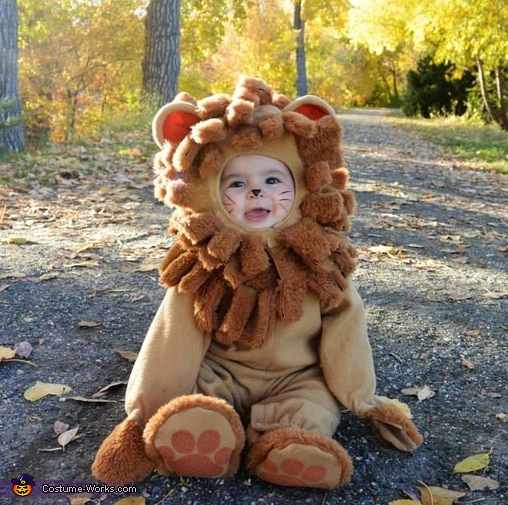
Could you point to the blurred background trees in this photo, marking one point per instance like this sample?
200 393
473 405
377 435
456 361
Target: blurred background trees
86 64
11 130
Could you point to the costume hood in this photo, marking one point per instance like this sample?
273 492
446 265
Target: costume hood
243 280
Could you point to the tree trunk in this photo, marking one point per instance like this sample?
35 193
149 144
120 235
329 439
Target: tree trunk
161 60
301 64
485 95
502 94
11 128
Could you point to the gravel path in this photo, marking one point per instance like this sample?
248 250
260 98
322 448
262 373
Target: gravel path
77 282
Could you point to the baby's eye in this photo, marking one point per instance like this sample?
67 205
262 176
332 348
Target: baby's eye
272 180
237 184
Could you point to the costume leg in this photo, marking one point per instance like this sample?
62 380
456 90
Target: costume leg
121 458
195 436
291 435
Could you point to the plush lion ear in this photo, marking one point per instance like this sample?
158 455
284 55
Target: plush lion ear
173 122
311 107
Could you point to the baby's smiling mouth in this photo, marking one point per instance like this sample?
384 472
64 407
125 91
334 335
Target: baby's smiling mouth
257 214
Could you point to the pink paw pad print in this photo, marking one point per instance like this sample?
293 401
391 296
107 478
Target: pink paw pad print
292 472
204 456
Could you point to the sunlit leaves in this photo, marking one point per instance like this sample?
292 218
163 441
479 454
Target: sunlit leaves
78 61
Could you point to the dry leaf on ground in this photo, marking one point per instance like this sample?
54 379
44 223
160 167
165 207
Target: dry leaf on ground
147 267
6 353
23 349
89 324
81 500
423 393
128 355
68 436
109 388
467 363
131 500
90 400
59 427
472 463
439 496
477 483
495 295
41 389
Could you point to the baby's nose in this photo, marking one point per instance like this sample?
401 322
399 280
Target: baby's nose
256 192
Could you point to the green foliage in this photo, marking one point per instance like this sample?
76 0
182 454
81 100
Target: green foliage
8 121
431 90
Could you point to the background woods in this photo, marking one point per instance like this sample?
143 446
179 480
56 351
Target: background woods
86 64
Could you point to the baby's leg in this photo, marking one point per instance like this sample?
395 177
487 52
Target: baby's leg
291 431
200 434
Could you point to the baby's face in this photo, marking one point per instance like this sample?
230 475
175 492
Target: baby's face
257 190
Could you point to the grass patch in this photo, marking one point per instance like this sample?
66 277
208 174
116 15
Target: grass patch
483 147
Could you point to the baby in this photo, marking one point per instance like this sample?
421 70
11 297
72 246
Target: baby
260 341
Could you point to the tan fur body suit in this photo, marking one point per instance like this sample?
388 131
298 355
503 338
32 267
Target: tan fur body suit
260 330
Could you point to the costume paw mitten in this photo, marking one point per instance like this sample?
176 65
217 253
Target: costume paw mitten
393 426
121 458
294 457
195 436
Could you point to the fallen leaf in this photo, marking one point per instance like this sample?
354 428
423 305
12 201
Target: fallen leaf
90 400
6 353
439 496
81 500
472 463
13 275
128 355
131 500
147 267
67 436
467 363
41 389
88 324
59 427
83 264
495 295
501 417
3 287
107 389
405 502
422 393
41 278
23 349
458 297
450 238
383 249
477 483
17 240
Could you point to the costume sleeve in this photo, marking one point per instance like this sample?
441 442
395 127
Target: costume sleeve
169 360
348 368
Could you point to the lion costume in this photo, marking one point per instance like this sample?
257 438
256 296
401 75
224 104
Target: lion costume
261 339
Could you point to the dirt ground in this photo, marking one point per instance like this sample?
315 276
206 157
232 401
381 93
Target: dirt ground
78 283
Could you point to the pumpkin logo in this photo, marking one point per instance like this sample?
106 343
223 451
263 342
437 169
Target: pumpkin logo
23 486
